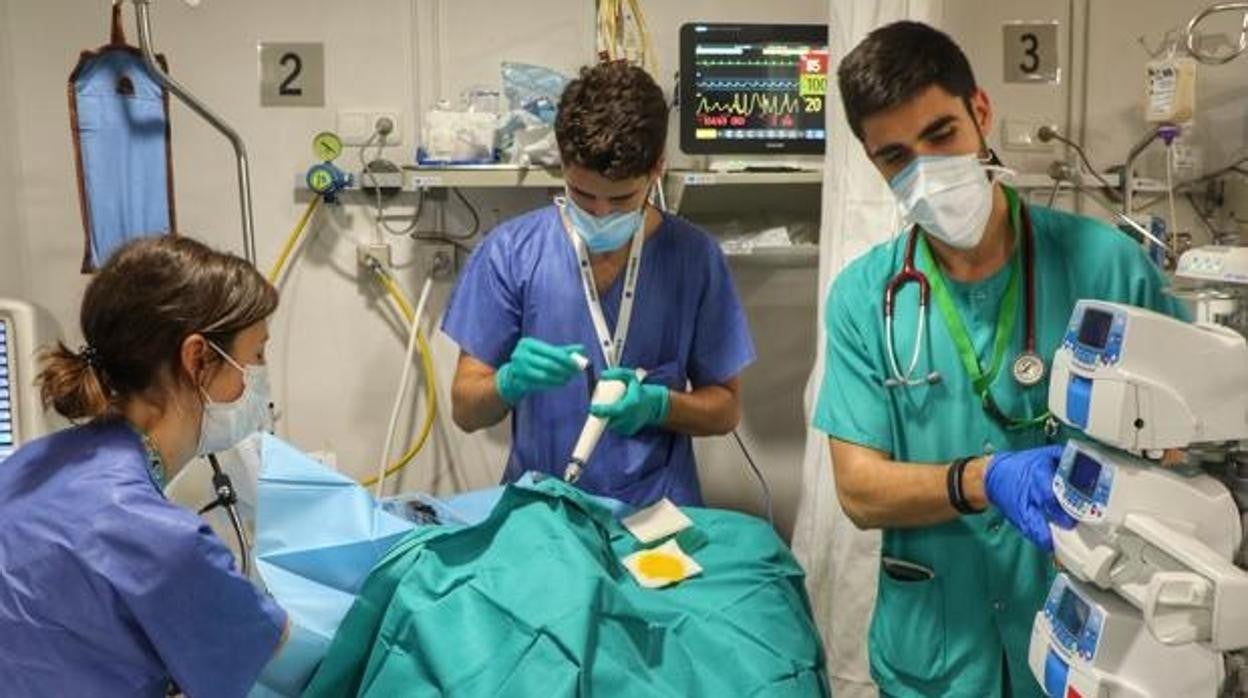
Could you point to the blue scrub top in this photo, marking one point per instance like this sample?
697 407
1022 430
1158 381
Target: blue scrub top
108 589
948 635
688 328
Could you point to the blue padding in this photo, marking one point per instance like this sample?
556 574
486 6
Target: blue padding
122 140
1078 401
1055 675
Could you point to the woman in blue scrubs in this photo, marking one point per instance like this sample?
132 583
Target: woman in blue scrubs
107 588
606 276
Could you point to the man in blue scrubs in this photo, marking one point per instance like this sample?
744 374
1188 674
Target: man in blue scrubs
603 275
941 464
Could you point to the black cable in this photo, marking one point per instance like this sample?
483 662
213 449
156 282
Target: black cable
757 474
227 498
472 211
1083 158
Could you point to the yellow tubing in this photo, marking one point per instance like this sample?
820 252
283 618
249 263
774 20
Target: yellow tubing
431 395
292 239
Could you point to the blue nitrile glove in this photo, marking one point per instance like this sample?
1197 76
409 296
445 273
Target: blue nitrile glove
642 405
536 365
1020 485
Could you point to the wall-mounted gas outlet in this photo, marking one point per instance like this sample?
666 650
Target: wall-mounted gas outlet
437 259
357 126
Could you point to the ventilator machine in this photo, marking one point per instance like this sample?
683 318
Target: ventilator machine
1152 599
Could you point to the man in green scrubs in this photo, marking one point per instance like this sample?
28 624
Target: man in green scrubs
955 460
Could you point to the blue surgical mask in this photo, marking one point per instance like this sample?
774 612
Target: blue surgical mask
602 233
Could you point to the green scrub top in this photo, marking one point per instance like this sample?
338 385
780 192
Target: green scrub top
948 636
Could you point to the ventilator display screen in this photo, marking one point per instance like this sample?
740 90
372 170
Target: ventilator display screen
755 88
1084 473
1072 613
1094 331
7 430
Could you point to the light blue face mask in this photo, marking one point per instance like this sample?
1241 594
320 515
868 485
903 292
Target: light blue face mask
603 233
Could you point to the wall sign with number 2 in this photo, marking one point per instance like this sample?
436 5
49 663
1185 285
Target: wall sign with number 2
292 75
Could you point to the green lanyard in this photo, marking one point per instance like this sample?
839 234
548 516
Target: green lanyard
982 380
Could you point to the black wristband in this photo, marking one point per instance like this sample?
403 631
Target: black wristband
953 486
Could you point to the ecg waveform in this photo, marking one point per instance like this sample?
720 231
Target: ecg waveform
759 84
752 103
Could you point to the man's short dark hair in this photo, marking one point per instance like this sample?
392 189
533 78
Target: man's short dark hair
612 120
894 64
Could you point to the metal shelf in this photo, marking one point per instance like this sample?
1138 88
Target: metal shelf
482 176
677 182
781 257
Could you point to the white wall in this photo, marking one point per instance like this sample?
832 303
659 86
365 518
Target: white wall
11 241
336 356
1105 83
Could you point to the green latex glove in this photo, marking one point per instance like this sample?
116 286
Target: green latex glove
536 365
642 405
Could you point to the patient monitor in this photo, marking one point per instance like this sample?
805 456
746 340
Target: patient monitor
24 328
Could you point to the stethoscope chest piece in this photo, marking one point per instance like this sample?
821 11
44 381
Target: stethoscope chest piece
1028 369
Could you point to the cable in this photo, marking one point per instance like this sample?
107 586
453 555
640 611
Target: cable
405 308
758 474
276 271
1046 133
409 356
472 211
1174 219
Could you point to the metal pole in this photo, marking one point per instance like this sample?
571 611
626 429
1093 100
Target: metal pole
143 20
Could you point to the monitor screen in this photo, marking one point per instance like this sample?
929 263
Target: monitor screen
1094 331
1072 613
753 88
1084 473
7 430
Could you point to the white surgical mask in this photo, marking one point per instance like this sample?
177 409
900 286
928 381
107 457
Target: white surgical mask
225 424
948 196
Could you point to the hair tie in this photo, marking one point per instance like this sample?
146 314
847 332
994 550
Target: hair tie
89 355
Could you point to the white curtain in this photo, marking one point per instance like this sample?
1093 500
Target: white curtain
858 212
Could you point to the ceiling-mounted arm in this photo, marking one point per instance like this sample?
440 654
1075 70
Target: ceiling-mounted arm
143 20
1189 34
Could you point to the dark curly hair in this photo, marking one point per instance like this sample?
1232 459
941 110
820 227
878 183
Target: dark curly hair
612 120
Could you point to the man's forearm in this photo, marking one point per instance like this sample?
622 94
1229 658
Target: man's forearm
476 404
707 411
891 494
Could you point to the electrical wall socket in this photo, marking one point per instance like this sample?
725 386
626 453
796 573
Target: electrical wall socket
379 251
356 126
437 259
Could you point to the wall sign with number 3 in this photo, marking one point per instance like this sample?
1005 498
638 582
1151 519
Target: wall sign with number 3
1031 52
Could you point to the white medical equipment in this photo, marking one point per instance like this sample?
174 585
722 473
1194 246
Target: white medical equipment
1163 540
1140 380
605 393
1087 643
1155 551
24 329
1213 282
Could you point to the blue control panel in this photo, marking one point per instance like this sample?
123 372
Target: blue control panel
1095 335
1075 621
8 420
1083 484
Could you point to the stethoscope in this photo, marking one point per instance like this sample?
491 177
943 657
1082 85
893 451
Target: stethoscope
1028 368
